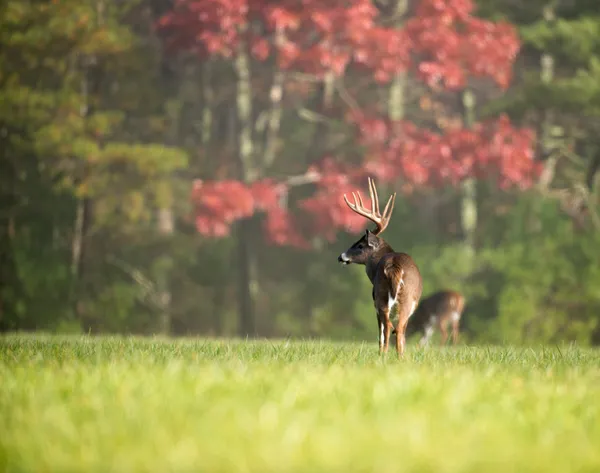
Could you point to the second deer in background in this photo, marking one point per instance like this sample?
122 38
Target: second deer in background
438 311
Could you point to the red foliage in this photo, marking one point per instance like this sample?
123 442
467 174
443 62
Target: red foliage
219 204
280 229
451 44
444 44
327 207
490 150
395 151
313 36
205 26
266 194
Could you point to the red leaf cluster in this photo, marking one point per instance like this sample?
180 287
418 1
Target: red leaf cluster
219 204
327 208
445 41
450 44
280 229
493 149
205 26
310 35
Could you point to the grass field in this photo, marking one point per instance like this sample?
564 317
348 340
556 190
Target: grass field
146 405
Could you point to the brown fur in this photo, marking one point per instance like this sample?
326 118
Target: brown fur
391 273
395 277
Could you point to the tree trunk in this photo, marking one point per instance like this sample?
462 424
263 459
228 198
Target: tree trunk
469 186
82 223
165 264
80 250
328 90
247 283
546 149
166 228
247 278
396 105
10 285
274 123
207 104
397 88
219 300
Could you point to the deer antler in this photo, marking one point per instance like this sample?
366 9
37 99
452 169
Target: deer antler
374 214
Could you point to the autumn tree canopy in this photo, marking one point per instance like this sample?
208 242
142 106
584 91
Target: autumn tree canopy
441 43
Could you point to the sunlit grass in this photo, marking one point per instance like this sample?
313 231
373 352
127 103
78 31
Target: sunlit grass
133 405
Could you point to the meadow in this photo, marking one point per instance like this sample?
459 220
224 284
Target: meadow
118 404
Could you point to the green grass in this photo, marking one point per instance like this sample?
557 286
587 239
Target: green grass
146 405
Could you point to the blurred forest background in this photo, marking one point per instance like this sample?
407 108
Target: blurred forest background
176 167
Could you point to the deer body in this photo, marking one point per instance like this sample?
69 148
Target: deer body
437 311
396 279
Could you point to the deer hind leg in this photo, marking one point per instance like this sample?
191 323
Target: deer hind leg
404 314
383 319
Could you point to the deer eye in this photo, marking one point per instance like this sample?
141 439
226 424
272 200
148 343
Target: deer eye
360 246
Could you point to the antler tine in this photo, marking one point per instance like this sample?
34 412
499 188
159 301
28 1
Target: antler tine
360 199
389 207
349 204
374 213
356 207
374 197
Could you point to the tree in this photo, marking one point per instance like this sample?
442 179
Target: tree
286 44
560 98
442 43
68 111
556 94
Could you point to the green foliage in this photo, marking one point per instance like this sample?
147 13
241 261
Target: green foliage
158 405
572 41
546 283
543 273
80 143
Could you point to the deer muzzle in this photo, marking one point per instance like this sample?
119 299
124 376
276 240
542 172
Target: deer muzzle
343 259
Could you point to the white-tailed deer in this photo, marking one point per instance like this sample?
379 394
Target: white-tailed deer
395 277
438 311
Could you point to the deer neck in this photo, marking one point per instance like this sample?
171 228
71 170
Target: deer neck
373 261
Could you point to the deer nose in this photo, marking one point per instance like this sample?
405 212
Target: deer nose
343 258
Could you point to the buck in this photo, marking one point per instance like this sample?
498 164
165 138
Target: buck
438 311
395 277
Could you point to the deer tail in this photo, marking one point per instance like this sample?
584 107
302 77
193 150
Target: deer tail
395 275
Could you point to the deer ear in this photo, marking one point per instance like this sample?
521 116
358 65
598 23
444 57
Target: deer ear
371 239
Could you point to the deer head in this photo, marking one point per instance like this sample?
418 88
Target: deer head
361 251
